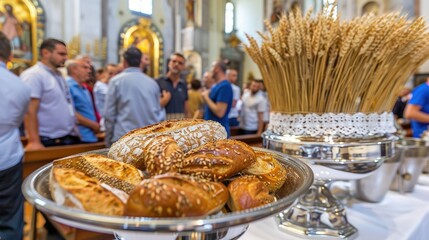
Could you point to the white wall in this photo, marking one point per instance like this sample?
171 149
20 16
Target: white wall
249 19
216 28
424 11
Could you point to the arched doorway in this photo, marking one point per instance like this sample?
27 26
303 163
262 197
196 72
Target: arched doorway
371 7
142 34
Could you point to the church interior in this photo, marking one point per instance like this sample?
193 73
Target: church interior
205 31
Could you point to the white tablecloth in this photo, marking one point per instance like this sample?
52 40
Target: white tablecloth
396 217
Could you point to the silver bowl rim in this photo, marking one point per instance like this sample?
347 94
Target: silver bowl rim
372 141
423 143
364 141
208 223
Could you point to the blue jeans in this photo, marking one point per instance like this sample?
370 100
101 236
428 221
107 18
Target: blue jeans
11 203
66 140
233 122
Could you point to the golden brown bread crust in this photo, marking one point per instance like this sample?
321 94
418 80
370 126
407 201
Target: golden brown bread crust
188 133
72 188
162 155
116 174
270 171
175 195
165 126
247 192
218 160
155 154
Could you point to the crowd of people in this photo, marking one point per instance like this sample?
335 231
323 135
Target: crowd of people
83 105
63 109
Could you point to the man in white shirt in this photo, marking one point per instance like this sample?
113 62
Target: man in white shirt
50 120
14 100
252 111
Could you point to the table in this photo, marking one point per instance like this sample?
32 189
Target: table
396 217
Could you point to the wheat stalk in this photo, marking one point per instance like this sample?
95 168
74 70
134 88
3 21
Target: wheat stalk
321 64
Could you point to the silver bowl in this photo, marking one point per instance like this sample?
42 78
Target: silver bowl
318 213
415 153
374 187
220 226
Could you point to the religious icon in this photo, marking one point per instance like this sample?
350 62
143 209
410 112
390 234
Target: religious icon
142 35
190 10
18 24
276 12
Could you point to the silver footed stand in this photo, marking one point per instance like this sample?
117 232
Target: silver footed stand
317 213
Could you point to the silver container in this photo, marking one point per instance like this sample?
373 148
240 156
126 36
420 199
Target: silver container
374 187
415 155
219 226
318 213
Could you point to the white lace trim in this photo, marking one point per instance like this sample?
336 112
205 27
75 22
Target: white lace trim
332 124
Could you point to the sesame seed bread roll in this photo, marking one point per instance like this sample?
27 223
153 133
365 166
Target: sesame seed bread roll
72 188
270 171
175 195
188 133
218 160
155 154
116 174
162 155
247 192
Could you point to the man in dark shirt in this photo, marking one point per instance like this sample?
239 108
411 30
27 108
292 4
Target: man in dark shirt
176 107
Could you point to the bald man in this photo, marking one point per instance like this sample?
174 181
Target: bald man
79 71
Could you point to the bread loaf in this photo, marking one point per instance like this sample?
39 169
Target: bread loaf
155 154
72 188
188 134
175 195
218 160
247 192
270 171
116 174
162 155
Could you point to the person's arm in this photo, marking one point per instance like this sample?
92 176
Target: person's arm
110 113
260 123
413 112
218 109
262 107
165 98
31 124
94 126
187 112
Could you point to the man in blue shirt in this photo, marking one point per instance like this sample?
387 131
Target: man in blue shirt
219 98
79 71
417 109
14 100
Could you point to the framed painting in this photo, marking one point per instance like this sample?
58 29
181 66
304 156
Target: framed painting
144 35
274 8
22 21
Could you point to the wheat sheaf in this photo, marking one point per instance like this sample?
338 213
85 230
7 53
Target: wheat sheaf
321 64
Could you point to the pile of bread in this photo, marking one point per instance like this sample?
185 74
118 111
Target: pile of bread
177 168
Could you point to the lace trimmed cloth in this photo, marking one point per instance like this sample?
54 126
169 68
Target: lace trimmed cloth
333 124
